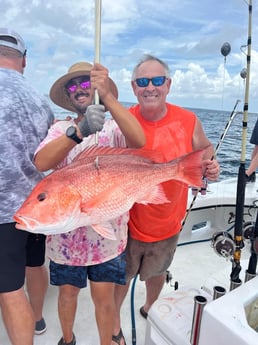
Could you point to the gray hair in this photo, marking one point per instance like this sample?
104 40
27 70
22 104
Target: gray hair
10 53
149 57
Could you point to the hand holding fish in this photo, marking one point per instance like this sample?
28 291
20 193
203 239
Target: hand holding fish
93 120
211 169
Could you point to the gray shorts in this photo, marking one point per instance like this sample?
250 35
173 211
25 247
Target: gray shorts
149 259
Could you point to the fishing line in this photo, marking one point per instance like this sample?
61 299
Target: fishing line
241 88
225 50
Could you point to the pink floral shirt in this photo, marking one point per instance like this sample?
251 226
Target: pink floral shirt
84 246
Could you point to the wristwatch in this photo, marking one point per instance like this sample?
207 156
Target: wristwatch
71 133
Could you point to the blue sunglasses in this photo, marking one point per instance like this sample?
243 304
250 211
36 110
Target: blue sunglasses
156 81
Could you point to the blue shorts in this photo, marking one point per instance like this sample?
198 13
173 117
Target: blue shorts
112 271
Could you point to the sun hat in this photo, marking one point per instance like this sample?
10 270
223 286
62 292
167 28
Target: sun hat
16 40
58 93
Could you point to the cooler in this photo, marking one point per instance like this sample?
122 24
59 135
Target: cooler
169 320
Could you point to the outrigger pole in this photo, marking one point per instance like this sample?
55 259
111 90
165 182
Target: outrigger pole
240 197
97 38
98 7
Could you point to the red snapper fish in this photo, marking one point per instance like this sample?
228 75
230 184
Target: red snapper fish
99 185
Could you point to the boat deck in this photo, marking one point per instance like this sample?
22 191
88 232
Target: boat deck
193 265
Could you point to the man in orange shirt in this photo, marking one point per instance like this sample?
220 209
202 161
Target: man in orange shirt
154 229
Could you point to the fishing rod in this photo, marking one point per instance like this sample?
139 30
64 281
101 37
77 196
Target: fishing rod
240 198
227 126
98 7
222 137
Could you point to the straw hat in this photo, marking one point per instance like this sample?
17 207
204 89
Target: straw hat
57 92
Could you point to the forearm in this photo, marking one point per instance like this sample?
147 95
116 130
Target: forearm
254 161
127 123
201 142
53 153
209 151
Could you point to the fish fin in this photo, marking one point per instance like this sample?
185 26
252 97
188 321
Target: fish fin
190 168
105 230
155 195
95 150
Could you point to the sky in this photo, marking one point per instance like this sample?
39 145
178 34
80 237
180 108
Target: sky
186 34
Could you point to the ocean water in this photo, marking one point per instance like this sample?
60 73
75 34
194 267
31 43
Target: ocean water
230 151
214 123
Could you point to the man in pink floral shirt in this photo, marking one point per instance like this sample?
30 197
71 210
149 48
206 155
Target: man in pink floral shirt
83 253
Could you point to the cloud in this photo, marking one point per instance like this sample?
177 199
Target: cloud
188 35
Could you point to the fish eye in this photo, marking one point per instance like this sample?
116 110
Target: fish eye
41 196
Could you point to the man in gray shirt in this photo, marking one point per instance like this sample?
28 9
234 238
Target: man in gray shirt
25 117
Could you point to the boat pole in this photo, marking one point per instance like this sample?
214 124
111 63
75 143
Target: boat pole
98 7
199 304
240 197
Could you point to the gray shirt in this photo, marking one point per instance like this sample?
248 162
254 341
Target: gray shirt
25 117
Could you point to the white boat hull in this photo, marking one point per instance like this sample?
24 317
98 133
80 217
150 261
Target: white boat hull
216 210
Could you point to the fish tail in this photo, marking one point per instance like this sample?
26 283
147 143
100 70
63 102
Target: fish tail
190 168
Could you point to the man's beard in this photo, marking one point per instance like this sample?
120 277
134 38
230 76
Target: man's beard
80 108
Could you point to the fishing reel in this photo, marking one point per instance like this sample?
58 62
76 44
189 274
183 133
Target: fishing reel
223 244
249 234
203 188
248 230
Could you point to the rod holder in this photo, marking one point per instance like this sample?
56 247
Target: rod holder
249 276
234 285
199 304
218 291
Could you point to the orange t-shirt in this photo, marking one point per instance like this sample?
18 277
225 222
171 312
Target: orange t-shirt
172 137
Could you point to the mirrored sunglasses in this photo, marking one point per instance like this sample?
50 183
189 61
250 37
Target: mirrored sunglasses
156 81
71 88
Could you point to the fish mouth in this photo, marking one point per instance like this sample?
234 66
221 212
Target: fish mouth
31 225
64 225
23 223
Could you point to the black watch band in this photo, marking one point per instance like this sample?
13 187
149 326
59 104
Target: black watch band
71 133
